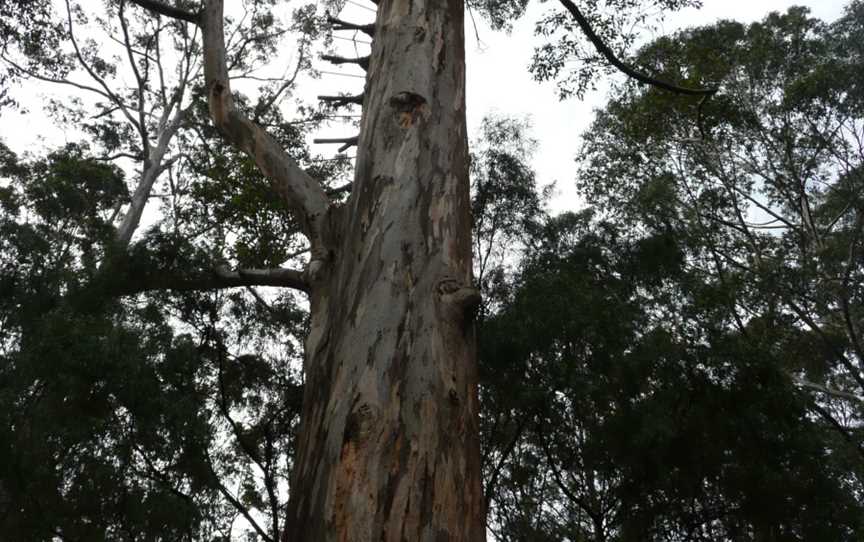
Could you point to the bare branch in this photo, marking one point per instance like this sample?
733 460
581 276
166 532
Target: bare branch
116 156
804 317
346 141
362 61
234 501
84 64
141 83
505 454
169 11
248 447
339 24
286 84
630 71
217 279
342 101
580 501
839 394
47 79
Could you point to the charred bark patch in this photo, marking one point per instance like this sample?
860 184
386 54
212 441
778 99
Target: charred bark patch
409 108
358 425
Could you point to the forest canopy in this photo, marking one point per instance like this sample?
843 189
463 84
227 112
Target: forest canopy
680 358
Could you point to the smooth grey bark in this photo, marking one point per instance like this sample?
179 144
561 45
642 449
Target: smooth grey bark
153 166
388 447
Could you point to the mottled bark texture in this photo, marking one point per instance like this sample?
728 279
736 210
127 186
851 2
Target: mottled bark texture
388 447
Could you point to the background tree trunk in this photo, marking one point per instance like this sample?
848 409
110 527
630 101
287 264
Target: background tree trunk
388 446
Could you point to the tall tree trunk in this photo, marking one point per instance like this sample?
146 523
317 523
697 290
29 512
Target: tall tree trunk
388 447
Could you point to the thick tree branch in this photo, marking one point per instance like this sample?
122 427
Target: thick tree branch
169 11
305 195
347 142
153 166
342 101
216 279
339 24
628 70
838 394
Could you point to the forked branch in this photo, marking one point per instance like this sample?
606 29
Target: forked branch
300 191
215 280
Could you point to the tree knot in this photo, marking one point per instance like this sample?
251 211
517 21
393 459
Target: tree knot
409 107
463 299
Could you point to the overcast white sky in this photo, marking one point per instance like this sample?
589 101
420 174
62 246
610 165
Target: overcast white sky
498 81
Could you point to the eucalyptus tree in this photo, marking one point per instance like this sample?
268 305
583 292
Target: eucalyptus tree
388 443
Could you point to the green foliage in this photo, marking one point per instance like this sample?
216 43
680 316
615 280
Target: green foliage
571 60
641 361
147 417
654 372
506 207
628 413
114 424
31 26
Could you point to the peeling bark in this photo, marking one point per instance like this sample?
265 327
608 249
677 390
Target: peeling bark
388 447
